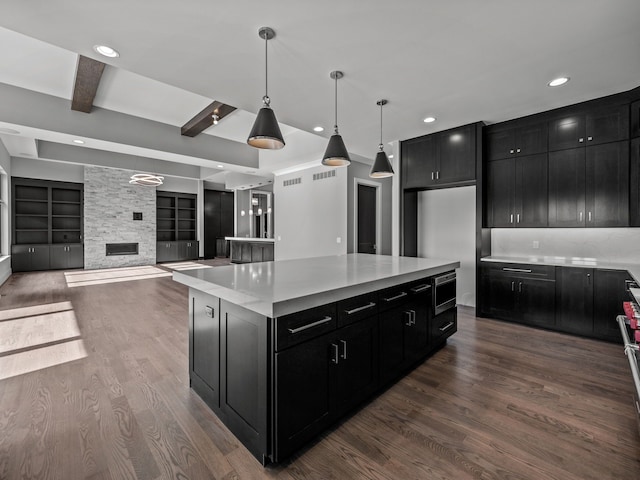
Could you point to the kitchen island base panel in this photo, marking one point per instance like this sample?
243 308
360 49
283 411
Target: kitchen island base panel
277 399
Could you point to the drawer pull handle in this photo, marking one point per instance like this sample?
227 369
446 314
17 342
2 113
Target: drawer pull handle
446 327
521 270
420 288
359 309
311 325
397 297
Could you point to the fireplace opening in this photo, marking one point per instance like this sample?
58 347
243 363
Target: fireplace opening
122 249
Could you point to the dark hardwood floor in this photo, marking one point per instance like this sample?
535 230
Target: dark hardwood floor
500 401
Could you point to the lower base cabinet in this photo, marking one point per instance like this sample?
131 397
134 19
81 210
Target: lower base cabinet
30 258
248 252
575 300
277 383
66 256
176 251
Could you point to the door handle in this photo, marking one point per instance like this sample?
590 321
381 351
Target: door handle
420 288
580 217
359 309
344 349
408 315
432 176
437 174
588 279
310 325
396 297
589 216
519 287
513 286
519 270
511 218
446 327
413 317
518 218
335 356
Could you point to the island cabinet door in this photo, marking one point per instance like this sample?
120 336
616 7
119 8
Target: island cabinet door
416 329
302 392
356 371
244 367
392 338
204 346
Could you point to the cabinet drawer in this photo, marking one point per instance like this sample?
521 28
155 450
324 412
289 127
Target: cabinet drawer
444 325
302 326
394 296
522 270
353 309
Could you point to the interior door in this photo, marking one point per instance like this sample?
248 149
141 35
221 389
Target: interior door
366 219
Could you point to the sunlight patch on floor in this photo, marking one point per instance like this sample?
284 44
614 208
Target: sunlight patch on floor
37 337
112 275
185 266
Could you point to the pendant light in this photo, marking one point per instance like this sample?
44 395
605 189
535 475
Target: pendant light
381 165
266 132
336 154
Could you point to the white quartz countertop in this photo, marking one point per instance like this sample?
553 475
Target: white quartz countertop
278 288
249 239
632 268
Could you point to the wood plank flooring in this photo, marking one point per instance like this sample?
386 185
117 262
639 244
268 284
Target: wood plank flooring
500 401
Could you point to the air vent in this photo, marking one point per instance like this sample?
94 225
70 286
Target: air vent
321 175
291 181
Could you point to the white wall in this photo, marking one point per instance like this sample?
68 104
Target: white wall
312 215
446 229
47 170
5 214
617 245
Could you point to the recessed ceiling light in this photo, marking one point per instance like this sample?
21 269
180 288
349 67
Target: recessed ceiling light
78 141
556 82
106 51
429 120
9 130
220 166
318 129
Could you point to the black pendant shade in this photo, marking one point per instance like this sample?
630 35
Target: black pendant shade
336 154
266 131
381 165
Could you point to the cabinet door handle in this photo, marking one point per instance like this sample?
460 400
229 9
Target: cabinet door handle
513 286
511 151
413 317
432 176
589 216
359 309
437 174
518 218
344 349
588 279
517 150
511 218
310 325
590 138
446 327
519 270
420 288
408 315
580 217
210 311
396 297
519 287
581 140
334 358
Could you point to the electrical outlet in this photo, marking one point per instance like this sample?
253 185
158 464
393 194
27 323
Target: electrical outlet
536 244
339 240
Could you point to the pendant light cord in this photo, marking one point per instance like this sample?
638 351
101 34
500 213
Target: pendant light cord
266 100
335 125
381 146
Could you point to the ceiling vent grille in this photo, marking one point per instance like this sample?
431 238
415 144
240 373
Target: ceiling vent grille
321 175
291 181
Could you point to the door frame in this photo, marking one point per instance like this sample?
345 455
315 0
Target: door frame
378 186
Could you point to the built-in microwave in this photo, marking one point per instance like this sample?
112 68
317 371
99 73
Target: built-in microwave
444 292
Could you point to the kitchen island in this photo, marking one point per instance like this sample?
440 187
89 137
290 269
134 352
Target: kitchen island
281 350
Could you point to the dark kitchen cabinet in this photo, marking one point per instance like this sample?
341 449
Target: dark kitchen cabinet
29 258
575 300
635 119
418 161
441 159
66 256
204 345
176 218
601 125
609 291
167 252
188 250
516 141
517 192
589 186
634 191
520 293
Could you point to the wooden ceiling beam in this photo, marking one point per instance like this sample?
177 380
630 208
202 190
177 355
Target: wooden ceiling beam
204 119
88 75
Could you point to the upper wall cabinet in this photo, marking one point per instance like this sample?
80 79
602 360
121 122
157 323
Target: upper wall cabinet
602 125
635 119
518 141
440 160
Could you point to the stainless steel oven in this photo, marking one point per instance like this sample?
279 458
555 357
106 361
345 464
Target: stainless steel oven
444 292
